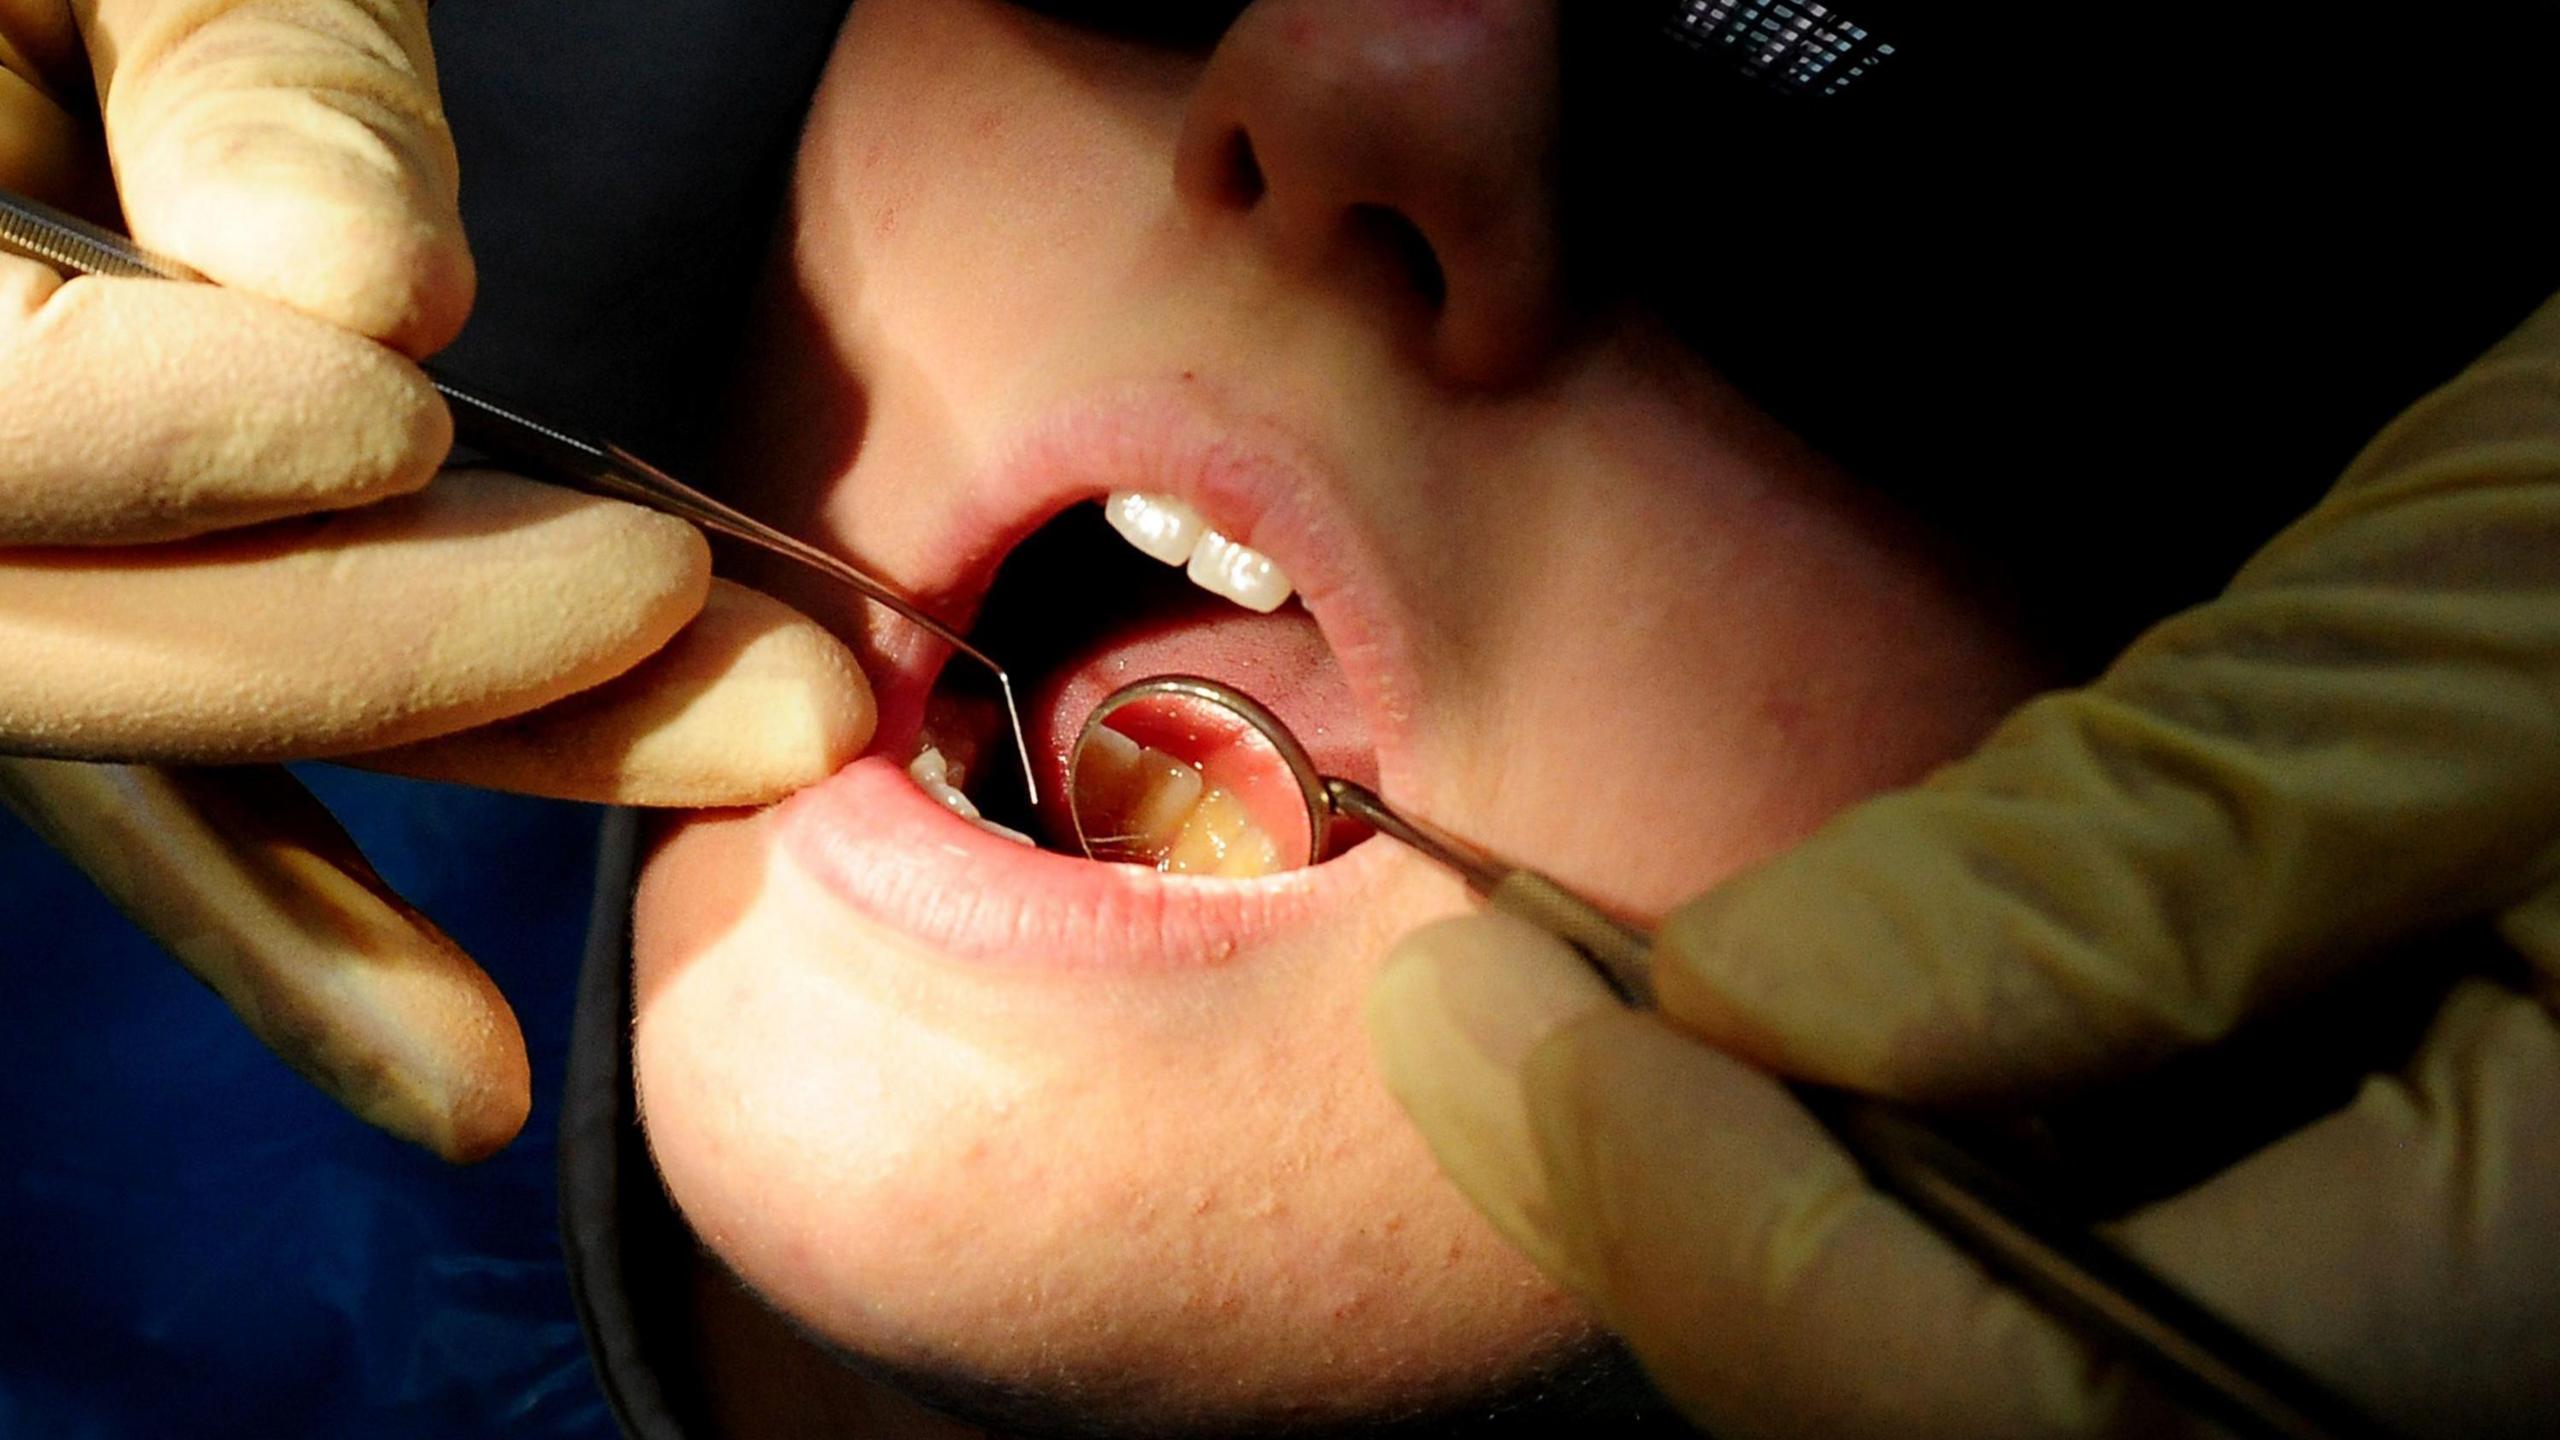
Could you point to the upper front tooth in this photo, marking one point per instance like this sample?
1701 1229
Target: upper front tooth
1239 572
1174 533
1157 524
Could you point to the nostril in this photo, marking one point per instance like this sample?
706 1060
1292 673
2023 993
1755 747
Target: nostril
1401 239
1241 176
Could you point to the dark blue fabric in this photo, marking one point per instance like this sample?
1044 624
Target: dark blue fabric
192 1242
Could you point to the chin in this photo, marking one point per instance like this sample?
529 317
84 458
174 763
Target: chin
1157 1193
1029 1131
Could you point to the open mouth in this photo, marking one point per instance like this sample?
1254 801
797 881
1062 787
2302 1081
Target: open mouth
1074 609
1106 593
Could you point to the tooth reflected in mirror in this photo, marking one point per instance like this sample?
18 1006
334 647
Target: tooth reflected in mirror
1188 787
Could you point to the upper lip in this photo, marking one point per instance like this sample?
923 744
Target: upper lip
1249 476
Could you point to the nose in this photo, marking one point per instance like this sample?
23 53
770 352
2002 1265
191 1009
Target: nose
1404 148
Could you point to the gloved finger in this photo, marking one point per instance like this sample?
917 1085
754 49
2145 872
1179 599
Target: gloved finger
44 152
2533 929
750 701
2359 741
2400 1247
147 410
296 148
245 879
1706 1217
480 597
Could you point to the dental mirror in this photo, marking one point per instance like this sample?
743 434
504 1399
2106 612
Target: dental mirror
1193 775
1188 774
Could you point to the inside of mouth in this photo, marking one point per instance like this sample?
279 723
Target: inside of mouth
1075 613
1188 787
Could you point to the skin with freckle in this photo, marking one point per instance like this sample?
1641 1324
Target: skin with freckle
1643 636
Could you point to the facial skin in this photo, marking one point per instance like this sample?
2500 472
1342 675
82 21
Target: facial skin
1628 630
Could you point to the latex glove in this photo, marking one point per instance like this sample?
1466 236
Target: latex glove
219 541
2267 801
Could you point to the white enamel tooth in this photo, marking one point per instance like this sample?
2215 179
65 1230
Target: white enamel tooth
1171 531
1160 525
929 769
1239 572
930 772
939 778
1006 831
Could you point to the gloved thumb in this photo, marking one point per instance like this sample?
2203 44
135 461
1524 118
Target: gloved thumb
295 148
1707 1218
2352 747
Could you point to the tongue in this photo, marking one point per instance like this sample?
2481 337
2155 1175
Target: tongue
1279 659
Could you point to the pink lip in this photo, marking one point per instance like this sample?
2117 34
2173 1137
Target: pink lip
887 851
879 845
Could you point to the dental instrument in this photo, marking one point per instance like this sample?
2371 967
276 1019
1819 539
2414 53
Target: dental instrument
506 434
2059 1261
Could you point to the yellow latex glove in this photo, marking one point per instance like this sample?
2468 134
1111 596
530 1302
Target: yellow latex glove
2355 747
223 538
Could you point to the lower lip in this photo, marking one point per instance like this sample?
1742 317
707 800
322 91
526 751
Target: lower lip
890 853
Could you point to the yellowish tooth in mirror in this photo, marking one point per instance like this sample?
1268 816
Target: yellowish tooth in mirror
1103 768
1142 805
1219 837
1164 792
1130 797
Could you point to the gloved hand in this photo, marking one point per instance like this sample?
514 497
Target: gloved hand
2293 791
219 541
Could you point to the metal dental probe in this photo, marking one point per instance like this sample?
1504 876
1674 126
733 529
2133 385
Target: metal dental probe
506 434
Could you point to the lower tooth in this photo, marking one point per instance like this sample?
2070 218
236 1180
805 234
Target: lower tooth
929 769
1150 808
1165 791
1219 837
939 778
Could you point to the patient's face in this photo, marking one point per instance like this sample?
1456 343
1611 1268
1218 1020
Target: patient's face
1113 1139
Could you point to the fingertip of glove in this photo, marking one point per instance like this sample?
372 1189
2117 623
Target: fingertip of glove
401 278
1459 1006
1489 983
365 248
1698 983
748 703
488 1119
1824 962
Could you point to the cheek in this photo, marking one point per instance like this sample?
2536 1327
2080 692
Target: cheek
1183 1190
968 182
1683 641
